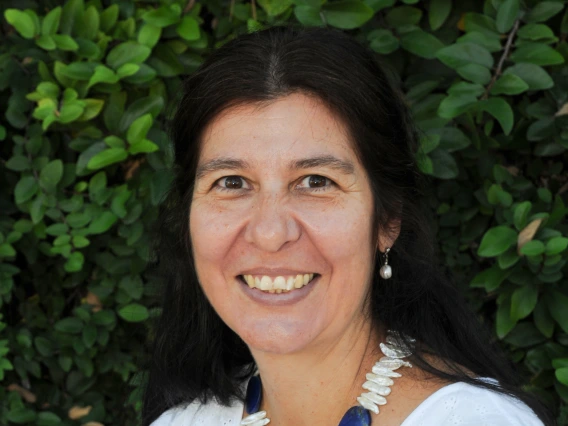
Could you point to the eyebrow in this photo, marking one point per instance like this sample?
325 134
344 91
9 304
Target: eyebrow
226 163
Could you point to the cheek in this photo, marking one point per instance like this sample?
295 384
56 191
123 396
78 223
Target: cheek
342 230
213 229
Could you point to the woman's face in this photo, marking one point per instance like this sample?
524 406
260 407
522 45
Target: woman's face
281 225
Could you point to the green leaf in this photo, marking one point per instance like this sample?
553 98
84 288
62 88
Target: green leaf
535 76
421 43
162 17
149 35
562 375
462 54
127 70
107 157
496 240
188 28
47 418
523 301
501 111
536 32
506 15
89 27
69 325
128 52
383 41
71 111
538 54
403 16
51 174
50 23
556 245
453 139
109 16
71 15
455 105
490 278
150 104
93 107
275 7
491 43
557 303
347 14
65 42
139 129
21 415
89 335
521 214
25 189
143 146
475 73
102 223
439 11
532 248
543 320
133 312
308 16
74 262
479 22
18 163
543 11
444 165
503 321
103 75
22 22
509 84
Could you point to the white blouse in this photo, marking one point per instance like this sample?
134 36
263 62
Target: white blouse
455 404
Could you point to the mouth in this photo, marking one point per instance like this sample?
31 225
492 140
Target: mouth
278 284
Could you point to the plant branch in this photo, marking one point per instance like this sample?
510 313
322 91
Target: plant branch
505 55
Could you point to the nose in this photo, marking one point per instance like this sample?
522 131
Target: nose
271 225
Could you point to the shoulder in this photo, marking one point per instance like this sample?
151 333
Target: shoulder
196 414
467 405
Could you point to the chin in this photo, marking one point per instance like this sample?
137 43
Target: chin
277 337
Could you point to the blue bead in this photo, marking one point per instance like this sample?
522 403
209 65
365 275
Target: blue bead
356 416
254 395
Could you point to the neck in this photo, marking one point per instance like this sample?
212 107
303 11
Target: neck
316 386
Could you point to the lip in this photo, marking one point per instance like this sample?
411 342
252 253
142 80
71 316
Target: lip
275 272
278 299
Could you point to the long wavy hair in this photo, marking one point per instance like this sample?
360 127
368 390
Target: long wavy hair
195 356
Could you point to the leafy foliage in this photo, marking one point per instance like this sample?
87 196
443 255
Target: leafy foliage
86 163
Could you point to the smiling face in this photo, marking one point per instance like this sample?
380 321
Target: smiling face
281 225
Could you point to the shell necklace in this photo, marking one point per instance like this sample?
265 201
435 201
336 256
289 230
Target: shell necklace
378 384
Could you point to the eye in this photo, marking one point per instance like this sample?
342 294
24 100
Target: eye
314 182
232 183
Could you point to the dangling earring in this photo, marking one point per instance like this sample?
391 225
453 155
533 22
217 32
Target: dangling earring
386 270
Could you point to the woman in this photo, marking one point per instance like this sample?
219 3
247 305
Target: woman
293 240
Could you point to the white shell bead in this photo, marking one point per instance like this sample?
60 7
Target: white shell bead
377 399
254 418
392 351
381 390
393 364
368 404
383 371
372 386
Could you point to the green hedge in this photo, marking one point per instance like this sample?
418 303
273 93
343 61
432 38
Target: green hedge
86 87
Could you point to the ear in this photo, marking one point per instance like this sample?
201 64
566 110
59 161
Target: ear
388 235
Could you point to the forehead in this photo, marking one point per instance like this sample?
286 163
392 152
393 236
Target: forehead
293 126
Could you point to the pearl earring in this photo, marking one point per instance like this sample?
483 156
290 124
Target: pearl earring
386 270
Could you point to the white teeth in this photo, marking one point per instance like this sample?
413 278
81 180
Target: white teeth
266 283
290 283
279 284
